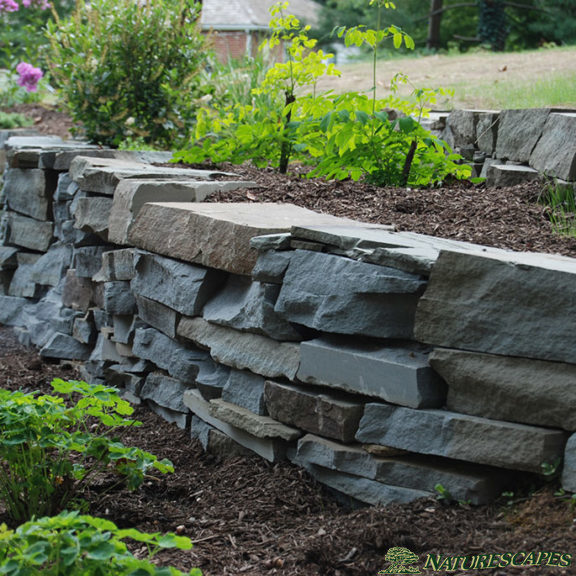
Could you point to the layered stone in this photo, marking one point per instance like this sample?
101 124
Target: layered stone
26 192
92 214
157 315
242 351
29 233
215 235
461 437
397 373
164 391
518 133
501 176
246 390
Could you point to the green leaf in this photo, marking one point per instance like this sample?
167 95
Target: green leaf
407 124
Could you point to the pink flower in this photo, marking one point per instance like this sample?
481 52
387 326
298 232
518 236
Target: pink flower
29 76
8 6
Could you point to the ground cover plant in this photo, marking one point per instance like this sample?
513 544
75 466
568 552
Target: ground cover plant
353 135
50 448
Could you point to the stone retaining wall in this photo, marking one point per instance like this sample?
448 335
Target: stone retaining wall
385 363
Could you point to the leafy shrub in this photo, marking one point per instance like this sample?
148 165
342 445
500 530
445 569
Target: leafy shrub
9 120
346 136
130 69
74 545
49 449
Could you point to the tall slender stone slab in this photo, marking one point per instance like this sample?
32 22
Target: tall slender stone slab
461 437
29 233
216 235
132 194
178 285
116 265
271 449
249 306
328 415
518 133
465 481
78 292
180 362
26 192
515 304
555 153
509 388
569 469
398 373
239 350
338 295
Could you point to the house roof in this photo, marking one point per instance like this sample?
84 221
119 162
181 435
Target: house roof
251 14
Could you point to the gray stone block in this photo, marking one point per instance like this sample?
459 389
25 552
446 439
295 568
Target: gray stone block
240 350
178 285
461 128
64 347
461 437
246 390
84 330
518 133
249 307
397 373
116 265
22 283
569 470
180 362
255 425
116 298
365 490
200 430
11 310
124 327
88 260
179 418
50 268
78 292
509 388
338 295
157 315
29 233
164 391
270 449
271 242
25 192
487 303
328 415
105 350
499 176
8 258
271 266
555 153
487 132
66 189
464 481
92 213
211 383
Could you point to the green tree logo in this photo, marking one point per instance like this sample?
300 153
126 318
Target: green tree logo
398 558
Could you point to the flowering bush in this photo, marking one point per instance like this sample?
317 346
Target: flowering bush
29 76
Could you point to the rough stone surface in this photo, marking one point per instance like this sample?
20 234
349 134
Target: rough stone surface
178 285
253 352
271 267
179 418
211 383
398 374
338 295
245 390
51 267
461 128
271 242
157 315
64 347
474 484
22 283
116 265
249 306
92 214
500 176
11 309
216 235
29 233
487 303
259 426
26 192
487 132
78 292
8 258
124 327
84 330
519 131
131 195
180 362
461 437
270 449
116 298
363 489
164 391
555 153
509 388
324 414
88 260
569 470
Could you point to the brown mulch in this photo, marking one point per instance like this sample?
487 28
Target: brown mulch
247 516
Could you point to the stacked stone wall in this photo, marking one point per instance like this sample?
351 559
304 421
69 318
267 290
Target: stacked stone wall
384 363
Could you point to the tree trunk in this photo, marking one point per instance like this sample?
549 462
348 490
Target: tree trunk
434 21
